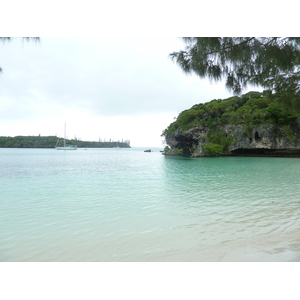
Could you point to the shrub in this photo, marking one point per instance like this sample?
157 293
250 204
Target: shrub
213 149
289 133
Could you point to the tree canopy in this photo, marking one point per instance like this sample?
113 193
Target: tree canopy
249 111
270 62
50 142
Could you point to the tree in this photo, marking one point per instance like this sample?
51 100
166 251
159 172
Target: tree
8 39
270 62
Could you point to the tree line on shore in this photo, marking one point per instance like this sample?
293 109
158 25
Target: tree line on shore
50 142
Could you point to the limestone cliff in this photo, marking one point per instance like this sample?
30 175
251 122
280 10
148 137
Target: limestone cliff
250 125
262 140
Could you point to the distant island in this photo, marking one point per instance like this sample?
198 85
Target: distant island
50 142
254 124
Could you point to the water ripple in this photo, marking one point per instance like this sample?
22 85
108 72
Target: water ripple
131 207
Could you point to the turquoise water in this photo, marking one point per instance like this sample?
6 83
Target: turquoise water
128 205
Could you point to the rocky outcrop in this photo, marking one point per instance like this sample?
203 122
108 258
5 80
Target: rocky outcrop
239 140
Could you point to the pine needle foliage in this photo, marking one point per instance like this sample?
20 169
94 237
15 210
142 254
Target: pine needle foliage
270 62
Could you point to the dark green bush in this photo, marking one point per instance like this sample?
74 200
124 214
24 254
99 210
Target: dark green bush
213 149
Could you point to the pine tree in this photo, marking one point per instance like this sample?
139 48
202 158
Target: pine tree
270 62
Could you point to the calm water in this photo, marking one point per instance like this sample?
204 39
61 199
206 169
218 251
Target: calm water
128 205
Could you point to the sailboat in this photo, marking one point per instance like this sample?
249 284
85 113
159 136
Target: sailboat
117 147
65 146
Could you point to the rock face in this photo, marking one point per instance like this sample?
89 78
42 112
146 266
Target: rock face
262 140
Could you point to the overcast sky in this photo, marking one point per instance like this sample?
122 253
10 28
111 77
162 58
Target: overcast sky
118 88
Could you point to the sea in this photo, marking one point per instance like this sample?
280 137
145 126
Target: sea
127 205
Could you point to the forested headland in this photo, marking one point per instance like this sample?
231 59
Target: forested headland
50 142
254 122
250 109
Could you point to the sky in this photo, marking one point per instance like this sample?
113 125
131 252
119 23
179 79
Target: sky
103 68
101 87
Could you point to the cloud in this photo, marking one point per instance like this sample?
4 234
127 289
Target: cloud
96 79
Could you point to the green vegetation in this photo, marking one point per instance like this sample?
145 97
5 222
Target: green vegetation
213 149
270 62
249 110
50 142
167 149
173 151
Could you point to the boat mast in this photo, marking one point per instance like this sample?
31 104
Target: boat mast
65 137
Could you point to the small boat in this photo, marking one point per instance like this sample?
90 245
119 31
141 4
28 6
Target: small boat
65 146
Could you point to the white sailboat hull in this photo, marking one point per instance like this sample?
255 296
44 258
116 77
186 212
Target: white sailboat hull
66 148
